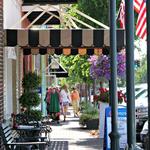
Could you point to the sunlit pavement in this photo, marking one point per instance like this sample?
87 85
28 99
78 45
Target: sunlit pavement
70 135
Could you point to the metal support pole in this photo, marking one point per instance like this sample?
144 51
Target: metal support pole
148 65
131 132
43 85
114 135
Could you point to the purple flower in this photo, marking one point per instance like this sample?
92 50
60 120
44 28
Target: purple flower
100 66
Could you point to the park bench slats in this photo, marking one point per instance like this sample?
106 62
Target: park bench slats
26 143
12 140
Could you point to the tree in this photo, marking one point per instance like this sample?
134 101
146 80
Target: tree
98 9
78 70
77 67
141 72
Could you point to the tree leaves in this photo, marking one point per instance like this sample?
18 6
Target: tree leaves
77 67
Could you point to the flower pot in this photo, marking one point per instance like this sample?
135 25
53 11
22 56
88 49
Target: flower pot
102 107
92 124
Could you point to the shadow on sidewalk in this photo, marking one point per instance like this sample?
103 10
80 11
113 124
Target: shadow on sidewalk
58 145
89 143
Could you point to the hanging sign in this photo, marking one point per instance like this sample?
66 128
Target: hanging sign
11 52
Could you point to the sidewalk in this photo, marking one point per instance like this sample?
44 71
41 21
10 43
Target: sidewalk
70 135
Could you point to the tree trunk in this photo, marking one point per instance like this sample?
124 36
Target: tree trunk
80 91
86 89
94 86
89 93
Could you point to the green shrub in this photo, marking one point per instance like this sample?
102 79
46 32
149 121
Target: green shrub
31 81
89 112
37 114
29 99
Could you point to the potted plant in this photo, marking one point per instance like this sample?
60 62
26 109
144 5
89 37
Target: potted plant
30 97
89 117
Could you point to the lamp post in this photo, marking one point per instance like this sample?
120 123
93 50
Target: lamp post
114 135
131 132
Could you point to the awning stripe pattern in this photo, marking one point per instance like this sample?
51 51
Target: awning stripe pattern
64 51
74 39
44 38
66 38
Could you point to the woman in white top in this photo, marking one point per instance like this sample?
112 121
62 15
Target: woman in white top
65 100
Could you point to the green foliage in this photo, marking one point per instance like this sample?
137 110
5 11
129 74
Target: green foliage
97 9
31 81
29 99
89 112
77 67
37 114
141 72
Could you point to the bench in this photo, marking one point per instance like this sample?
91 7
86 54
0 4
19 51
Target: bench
24 119
13 141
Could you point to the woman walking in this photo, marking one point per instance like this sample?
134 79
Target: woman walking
53 107
65 100
75 101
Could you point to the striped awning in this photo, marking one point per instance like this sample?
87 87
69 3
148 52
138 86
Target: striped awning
65 51
62 41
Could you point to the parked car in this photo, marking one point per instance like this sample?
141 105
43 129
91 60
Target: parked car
139 91
141 104
144 135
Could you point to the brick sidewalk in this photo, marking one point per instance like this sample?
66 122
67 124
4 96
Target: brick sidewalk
70 135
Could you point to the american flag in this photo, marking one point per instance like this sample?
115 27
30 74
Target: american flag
141 31
137 4
121 14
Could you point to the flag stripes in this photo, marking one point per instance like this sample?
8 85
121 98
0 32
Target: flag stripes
141 31
137 4
122 14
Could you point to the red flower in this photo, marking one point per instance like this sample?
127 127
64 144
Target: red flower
95 97
103 90
105 97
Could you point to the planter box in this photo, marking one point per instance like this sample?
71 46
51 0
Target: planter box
92 124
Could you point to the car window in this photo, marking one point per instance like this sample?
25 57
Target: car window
141 94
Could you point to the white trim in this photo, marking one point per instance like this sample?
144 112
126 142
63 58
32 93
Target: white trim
69 20
38 17
46 70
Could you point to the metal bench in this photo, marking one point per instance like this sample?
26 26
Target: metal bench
13 141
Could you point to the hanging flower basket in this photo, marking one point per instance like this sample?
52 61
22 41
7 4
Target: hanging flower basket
105 98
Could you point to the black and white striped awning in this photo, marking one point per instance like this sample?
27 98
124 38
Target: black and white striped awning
57 41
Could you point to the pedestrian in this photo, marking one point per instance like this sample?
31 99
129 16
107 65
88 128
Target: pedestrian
53 104
65 100
75 101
